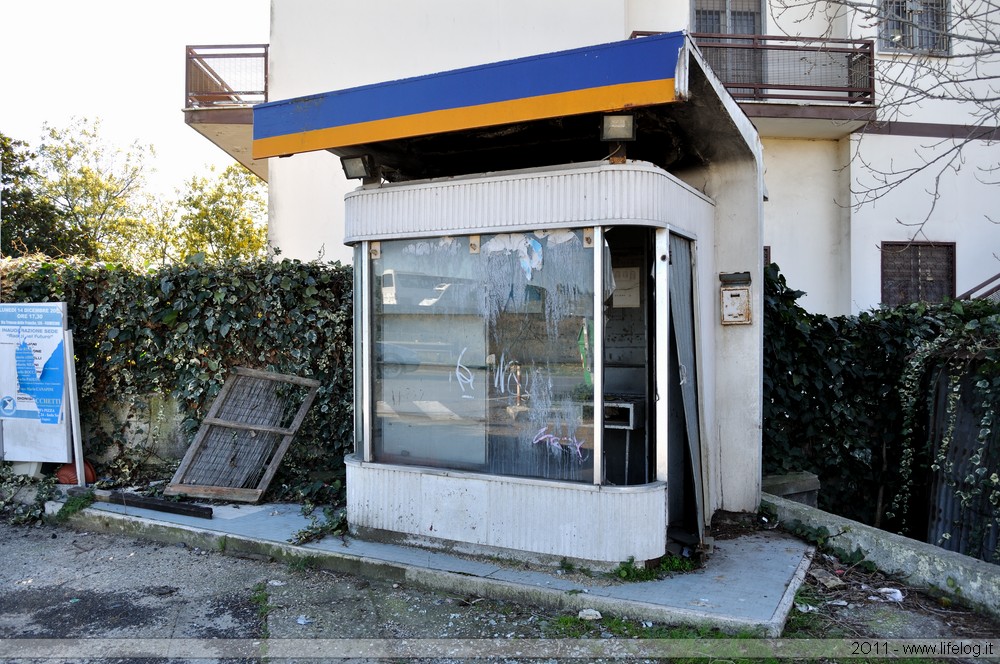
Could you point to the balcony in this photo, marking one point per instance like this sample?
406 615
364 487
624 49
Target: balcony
222 83
796 86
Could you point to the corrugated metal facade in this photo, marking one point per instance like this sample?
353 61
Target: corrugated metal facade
591 195
594 523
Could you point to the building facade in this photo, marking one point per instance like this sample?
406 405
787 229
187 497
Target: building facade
833 127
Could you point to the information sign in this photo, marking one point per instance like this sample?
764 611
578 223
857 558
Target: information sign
33 403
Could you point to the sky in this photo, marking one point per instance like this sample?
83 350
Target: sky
120 61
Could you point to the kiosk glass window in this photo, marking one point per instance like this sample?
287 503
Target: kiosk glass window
483 353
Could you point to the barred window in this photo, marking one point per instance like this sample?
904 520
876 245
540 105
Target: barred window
735 17
732 17
914 25
917 272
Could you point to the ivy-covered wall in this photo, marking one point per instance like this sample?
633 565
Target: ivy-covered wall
850 399
176 332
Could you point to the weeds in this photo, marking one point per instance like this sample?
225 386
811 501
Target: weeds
74 505
301 564
572 627
333 523
262 602
566 567
669 565
11 504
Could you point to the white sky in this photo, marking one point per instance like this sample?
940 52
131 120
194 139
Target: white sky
121 61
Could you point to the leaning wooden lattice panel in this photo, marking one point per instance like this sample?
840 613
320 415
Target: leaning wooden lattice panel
247 431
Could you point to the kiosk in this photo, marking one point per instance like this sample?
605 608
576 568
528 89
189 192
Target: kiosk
550 361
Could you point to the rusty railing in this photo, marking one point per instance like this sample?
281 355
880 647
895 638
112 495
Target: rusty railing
988 290
225 76
792 69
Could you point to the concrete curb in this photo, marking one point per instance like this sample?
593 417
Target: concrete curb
432 579
963 579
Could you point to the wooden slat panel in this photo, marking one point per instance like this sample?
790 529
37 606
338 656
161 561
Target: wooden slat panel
228 424
222 465
213 492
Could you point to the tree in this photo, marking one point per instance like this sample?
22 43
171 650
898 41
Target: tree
98 190
30 224
222 218
942 59
80 195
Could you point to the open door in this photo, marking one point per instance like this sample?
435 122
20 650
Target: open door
687 511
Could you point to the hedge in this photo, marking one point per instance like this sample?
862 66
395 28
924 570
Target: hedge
179 330
849 398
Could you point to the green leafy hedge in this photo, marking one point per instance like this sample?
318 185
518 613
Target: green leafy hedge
178 331
847 397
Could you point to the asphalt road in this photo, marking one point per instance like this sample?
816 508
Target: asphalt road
67 595
98 598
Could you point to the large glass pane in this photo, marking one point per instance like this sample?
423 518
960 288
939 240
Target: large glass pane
429 378
483 353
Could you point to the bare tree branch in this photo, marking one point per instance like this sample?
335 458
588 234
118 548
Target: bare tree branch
936 59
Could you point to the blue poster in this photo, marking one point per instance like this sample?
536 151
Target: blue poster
32 362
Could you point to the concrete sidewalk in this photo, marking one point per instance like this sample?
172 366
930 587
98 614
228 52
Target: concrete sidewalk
748 583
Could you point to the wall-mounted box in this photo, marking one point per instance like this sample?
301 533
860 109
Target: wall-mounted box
735 305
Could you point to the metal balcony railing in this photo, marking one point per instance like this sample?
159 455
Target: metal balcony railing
988 290
225 76
762 68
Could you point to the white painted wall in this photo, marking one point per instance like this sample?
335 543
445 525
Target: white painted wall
804 220
805 18
319 46
828 246
306 207
961 214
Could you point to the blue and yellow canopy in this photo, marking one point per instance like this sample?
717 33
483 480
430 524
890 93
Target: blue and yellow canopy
609 77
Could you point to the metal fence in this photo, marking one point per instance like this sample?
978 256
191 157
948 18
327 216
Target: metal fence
968 526
225 76
771 68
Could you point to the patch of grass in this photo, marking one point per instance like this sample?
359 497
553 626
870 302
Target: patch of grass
74 505
261 600
300 564
568 627
629 571
801 625
677 564
573 627
623 628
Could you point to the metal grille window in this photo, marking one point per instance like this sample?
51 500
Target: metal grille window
917 272
914 25
732 17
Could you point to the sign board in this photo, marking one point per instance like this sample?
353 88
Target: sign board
34 422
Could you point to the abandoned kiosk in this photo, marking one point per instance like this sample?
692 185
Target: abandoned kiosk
558 293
